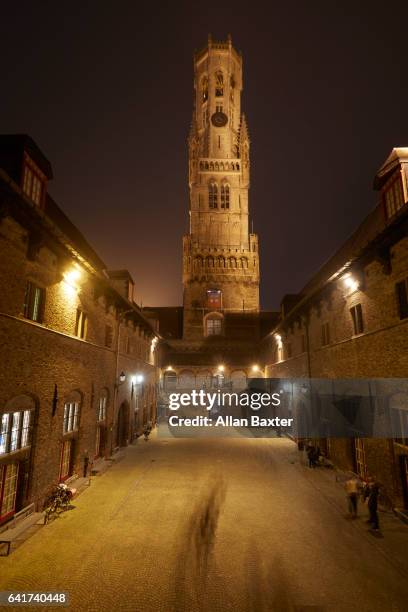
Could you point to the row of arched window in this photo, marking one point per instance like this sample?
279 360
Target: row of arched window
223 166
221 262
219 196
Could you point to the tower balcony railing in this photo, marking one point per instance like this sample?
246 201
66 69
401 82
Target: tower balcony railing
219 165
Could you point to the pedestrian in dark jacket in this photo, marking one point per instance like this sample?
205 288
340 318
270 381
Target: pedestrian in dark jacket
311 455
372 491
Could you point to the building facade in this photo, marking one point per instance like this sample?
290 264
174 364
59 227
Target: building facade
79 359
351 322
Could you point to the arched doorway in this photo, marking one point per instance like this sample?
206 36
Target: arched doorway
122 428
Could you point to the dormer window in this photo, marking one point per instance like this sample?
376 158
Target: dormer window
393 195
33 181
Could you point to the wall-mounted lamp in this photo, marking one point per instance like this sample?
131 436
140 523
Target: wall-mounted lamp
350 282
221 368
72 276
122 378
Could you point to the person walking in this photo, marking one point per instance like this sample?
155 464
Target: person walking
351 487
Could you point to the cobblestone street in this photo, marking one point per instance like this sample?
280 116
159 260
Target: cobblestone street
221 524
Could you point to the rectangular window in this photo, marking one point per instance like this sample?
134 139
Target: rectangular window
400 425
34 302
102 408
325 334
357 316
71 417
8 488
81 325
25 432
15 431
4 433
33 183
394 196
214 299
402 297
360 458
214 327
108 336
65 459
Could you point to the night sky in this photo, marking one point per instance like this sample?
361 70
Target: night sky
105 89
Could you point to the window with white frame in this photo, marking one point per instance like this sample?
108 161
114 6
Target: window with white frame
71 417
102 408
213 326
357 317
81 324
15 430
34 302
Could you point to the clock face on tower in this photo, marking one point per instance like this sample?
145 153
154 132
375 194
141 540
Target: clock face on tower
219 119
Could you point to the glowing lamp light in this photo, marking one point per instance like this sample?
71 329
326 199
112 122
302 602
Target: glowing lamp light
221 368
350 282
278 339
71 276
169 369
122 377
255 368
139 378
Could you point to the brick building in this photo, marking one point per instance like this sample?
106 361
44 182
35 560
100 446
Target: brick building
351 321
79 358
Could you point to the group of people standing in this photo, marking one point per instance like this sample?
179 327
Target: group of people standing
369 492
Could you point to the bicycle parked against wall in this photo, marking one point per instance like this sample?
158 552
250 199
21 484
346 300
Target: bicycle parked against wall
58 501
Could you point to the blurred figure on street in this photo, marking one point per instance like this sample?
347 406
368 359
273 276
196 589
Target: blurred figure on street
352 487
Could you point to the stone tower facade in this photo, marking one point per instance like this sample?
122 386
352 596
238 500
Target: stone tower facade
220 255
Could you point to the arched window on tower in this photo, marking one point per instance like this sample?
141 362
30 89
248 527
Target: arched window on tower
204 89
219 85
225 195
213 195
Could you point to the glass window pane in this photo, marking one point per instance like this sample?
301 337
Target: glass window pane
9 488
26 428
4 428
15 430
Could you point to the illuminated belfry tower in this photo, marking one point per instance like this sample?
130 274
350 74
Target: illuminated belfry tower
220 256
